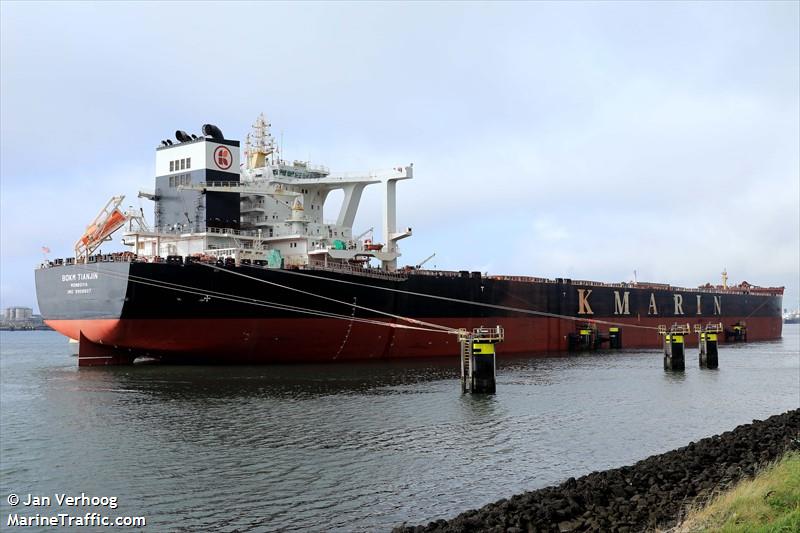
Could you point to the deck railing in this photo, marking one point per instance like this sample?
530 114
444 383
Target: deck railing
405 273
355 270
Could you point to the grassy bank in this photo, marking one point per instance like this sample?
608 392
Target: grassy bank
768 503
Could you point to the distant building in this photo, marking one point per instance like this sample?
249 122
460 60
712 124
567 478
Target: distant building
21 318
17 314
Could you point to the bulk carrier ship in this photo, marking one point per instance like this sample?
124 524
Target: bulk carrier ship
240 267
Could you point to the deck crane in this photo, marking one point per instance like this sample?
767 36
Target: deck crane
419 265
364 234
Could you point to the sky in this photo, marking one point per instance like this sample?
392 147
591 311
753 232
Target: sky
585 140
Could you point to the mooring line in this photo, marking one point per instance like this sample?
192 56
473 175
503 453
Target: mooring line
307 293
479 304
757 308
260 303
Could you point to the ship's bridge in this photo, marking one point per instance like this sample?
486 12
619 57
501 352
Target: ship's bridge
278 204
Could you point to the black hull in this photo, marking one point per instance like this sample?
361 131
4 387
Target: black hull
135 305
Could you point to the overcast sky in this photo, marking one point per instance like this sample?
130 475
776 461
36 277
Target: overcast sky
580 140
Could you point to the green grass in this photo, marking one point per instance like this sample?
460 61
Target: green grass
769 503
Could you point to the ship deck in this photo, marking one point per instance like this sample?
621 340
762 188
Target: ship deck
743 288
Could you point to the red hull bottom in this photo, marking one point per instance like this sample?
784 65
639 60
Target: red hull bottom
115 341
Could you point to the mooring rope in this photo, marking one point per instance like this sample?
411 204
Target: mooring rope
260 303
307 293
471 302
757 308
419 324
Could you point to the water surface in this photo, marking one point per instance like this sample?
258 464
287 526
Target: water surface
354 447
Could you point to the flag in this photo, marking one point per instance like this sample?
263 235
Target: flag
45 250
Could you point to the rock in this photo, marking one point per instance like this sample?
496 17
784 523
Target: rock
647 495
563 527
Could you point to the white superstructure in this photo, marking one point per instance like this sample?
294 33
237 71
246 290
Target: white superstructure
278 214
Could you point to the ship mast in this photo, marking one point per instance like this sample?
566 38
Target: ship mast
260 144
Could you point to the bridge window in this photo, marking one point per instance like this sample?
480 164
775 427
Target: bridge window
180 164
180 179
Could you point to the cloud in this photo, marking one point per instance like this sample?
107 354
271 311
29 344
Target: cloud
565 140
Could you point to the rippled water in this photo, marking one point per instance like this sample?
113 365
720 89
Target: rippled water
354 447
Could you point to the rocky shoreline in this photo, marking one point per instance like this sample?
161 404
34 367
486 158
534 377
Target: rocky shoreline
653 493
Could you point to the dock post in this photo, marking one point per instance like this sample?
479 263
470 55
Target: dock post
478 365
674 358
738 333
585 338
614 338
709 353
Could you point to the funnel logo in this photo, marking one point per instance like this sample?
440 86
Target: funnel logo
223 158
